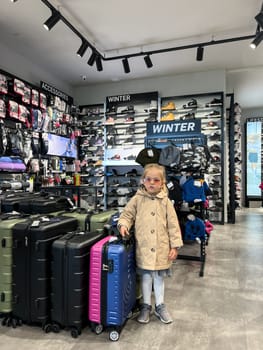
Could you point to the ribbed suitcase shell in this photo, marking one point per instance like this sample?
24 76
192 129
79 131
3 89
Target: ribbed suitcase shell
32 266
97 221
6 239
112 282
70 280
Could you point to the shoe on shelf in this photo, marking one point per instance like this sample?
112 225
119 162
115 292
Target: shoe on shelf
169 106
215 101
129 120
187 116
109 121
213 114
152 118
168 117
145 311
162 313
129 141
191 104
129 109
210 126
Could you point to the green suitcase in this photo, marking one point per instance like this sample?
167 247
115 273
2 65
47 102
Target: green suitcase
81 214
7 222
99 220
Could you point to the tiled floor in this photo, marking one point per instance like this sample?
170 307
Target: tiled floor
221 311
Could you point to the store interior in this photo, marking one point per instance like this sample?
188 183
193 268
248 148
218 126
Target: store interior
150 81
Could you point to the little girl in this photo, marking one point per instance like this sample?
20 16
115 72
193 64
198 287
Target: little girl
157 235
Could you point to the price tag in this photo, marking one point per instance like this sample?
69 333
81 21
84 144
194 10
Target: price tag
197 183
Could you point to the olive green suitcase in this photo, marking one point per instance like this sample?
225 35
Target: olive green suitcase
100 220
7 222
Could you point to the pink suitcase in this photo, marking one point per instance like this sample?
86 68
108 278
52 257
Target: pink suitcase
95 280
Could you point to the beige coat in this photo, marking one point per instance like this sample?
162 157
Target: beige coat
156 228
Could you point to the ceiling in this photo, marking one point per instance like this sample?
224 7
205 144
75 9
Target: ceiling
117 27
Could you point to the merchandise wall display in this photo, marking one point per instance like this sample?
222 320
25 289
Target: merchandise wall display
208 110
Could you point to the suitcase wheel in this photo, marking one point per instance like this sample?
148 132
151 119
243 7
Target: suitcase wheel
114 335
47 328
98 328
55 328
75 333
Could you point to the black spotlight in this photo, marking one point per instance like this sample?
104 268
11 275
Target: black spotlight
259 19
148 61
126 65
92 58
53 19
13 0
83 48
200 53
257 40
99 63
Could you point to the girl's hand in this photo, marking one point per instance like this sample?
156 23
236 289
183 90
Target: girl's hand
123 231
173 254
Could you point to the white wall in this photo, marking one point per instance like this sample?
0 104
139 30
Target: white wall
247 86
183 84
21 67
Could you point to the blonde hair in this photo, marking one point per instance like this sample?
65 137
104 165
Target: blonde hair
160 169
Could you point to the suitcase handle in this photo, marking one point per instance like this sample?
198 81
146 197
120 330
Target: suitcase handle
3 243
37 303
2 296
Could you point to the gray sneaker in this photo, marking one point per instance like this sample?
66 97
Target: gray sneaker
144 316
163 314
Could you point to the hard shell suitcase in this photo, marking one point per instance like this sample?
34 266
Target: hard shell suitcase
70 280
99 220
7 222
112 293
81 214
11 201
45 204
31 266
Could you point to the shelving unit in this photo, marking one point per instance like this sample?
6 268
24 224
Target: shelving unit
125 130
209 109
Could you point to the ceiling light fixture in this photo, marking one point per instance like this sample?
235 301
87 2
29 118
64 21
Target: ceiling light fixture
126 65
257 40
148 61
200 53
52 20
99 64
99 57
83 48
92 59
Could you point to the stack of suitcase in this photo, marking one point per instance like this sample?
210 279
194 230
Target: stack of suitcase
49 267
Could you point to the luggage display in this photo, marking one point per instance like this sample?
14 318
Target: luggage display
70 281
112 284
31 268
7 222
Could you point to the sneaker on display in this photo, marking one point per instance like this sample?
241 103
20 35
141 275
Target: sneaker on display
215 101
109 121
191 104
169 106
168 117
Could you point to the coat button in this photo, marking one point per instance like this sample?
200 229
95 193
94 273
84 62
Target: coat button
152 250
152 231
152 213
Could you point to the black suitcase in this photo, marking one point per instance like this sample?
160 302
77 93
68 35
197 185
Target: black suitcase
11 201
31 268
70 281
45 203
